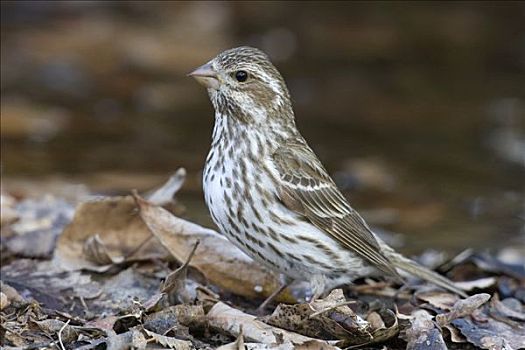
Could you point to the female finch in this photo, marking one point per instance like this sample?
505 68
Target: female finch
270 195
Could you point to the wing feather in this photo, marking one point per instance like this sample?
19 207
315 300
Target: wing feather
309 191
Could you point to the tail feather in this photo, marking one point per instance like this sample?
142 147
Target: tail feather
417 270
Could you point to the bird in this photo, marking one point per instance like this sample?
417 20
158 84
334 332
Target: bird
269 193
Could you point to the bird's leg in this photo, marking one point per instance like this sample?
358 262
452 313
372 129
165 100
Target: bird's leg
318 284
262 307
315 296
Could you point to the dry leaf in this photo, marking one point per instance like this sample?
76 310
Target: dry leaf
509 308
95 251
387 328
462 308
481 283
331 319
106 324
423 334
52 327
326 318
116 221
296 318
172 343
166 193
491 333
238 344
230 320
132 339
155 303
455 334
494 325
184 314
442 300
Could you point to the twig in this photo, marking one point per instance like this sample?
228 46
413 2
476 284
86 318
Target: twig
197 242
83 302
60 335
344 303
170 283
139 247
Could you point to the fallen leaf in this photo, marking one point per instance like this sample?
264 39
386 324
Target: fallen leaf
462 308
155 303
116 221
387 328
455 334
493 326
296 318
106 324
491 264
423 333
184 314
230 320
95 251
172 343
509 308
331 319
481 283
166 193
133 339
441 300
52 327
238 344
491 334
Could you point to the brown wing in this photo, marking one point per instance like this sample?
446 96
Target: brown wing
307 189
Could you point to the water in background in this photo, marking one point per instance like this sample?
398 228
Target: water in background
416 109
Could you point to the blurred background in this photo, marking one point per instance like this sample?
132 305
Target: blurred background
417 110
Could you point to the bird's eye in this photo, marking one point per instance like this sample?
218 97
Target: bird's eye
241 76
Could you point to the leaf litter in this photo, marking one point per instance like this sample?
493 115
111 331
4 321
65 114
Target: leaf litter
124 272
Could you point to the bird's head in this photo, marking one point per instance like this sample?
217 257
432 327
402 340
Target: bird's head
244 84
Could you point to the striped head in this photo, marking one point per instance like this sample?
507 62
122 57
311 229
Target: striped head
243 84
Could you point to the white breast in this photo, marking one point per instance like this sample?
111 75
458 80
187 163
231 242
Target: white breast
241 195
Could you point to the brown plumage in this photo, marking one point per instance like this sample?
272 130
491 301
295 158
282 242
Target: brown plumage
307 189
270 195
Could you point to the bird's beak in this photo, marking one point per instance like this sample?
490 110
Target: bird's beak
207 76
